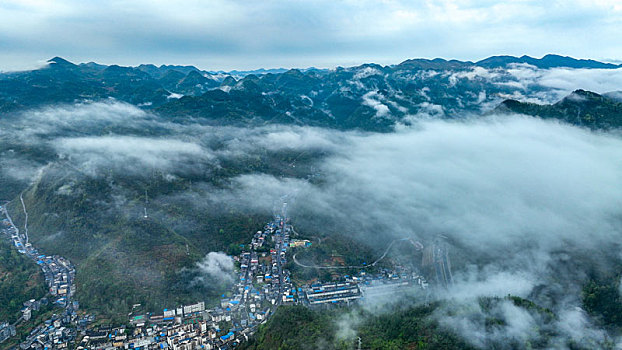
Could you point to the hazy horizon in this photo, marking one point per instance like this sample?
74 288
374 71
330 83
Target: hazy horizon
42 63
228 35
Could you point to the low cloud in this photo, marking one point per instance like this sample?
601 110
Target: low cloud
503 325
597 80
489 183
216 267
518 198
81 118
373 99
241 141
11 166
128 152
346 324
532 84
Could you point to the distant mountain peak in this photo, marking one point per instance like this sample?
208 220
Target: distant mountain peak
579 96
229 81
179 67
60 62
436 63
584 93
547 61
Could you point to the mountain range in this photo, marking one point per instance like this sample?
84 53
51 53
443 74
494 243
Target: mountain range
368 97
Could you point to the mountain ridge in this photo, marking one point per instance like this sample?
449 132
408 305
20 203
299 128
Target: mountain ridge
368 97
581 107
495 61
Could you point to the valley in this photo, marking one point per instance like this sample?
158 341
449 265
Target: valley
152 200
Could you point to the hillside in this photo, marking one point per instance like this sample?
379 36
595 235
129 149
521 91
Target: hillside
405 327
20 281
122 258
297 327
582 108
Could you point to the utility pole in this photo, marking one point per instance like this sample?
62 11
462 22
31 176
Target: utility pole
146 202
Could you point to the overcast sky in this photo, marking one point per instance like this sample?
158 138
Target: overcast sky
246 34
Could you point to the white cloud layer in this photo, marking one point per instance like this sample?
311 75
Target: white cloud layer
215 267
492 182
129 152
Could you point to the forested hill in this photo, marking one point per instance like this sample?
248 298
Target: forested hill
298 327
582 108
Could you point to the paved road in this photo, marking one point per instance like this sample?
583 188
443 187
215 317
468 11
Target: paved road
279 248
21 198
6 213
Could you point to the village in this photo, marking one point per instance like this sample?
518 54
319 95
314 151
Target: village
262 286
60 329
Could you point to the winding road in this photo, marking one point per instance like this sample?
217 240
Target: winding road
21 198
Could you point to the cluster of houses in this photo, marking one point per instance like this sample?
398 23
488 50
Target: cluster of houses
60 329
187 335
59 272
263 284
56 332
6 331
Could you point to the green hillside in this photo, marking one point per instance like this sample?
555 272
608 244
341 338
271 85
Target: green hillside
298 327
123 258
20 280
582 108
